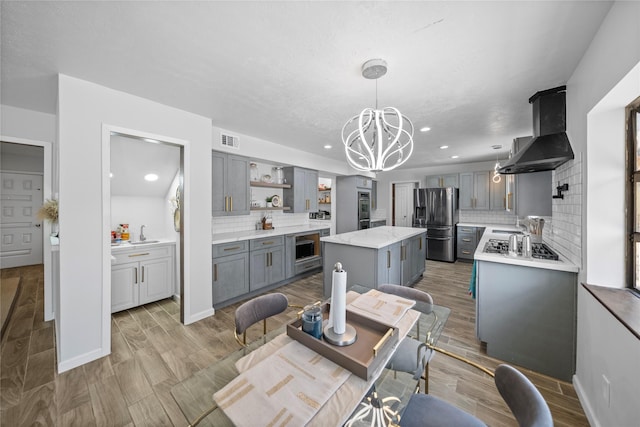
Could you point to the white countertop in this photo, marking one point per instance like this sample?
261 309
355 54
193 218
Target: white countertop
488 225
562 264
375 238
126 245
237 236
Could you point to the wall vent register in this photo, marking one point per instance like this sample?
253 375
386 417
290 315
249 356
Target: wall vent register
538 250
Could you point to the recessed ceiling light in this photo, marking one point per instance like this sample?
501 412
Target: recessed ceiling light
151 177
110 174
327 147
425 129
454 157
443 147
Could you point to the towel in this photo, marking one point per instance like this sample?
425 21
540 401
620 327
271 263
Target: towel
472 282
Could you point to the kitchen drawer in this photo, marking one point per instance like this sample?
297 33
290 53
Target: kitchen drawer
231 248
266 242
466 251
467 239
466 230
142 254
304 266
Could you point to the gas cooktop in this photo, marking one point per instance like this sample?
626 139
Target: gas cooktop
538 250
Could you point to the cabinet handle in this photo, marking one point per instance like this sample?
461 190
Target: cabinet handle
136 275
466 252
142 274
403 253
509 201
226 203
215 272
420 247
135 255
232 249
466 240
268 243
231 203
388 259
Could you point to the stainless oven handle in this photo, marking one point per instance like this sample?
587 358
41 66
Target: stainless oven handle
439 238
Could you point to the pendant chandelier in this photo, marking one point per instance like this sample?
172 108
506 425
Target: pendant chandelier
377 140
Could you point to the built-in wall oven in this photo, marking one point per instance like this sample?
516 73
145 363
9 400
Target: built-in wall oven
364 210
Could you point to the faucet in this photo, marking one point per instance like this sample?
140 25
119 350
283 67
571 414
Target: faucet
142 236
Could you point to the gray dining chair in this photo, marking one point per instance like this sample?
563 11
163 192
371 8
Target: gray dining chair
255 310
412 355
523 398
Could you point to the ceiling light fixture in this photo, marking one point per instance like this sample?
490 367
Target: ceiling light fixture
377 140
328 147
151 177
496 175
454 157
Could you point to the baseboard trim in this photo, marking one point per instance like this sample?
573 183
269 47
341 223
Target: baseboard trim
584 401
199 316
74 362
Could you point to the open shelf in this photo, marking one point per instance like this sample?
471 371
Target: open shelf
268 184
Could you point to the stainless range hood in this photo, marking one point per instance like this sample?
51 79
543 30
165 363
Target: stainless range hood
550 145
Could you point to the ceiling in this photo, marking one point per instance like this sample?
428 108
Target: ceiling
289 72
132 159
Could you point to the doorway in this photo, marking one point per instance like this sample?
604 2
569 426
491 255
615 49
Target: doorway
26 181
402 202
132 199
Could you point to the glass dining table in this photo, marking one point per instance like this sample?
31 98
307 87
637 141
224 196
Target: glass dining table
194 395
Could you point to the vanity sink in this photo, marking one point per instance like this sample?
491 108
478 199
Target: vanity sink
145 242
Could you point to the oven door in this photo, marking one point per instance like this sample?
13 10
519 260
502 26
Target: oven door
363 224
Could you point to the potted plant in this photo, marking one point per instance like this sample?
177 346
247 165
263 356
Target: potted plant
270 201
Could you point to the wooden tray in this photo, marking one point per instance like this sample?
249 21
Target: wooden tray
363 357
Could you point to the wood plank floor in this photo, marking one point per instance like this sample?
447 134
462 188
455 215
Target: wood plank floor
152 351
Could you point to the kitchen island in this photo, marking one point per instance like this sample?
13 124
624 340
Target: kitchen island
375 256
526 308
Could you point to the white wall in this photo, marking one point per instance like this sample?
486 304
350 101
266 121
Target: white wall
27 124
153 212
83 109
604 345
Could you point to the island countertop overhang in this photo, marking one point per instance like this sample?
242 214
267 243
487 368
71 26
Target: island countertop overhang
374 238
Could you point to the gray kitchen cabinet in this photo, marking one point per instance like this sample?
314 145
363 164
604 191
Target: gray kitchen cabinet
468 239
303 194
230 271
140 276
230 185
347 191
528 193
374 195
531 320
498 194
413 253
441 181
266 262
474 190
389 265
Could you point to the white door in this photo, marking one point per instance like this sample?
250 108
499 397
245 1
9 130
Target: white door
21 231
404 204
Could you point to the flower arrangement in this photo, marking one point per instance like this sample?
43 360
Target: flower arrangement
49 210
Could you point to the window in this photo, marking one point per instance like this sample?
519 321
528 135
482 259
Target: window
633 193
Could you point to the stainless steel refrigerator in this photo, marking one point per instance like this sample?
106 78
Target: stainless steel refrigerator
436 209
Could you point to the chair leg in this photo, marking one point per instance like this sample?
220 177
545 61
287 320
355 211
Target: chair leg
426 379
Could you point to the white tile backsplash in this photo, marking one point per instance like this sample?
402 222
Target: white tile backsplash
566 235
487 217
227 224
